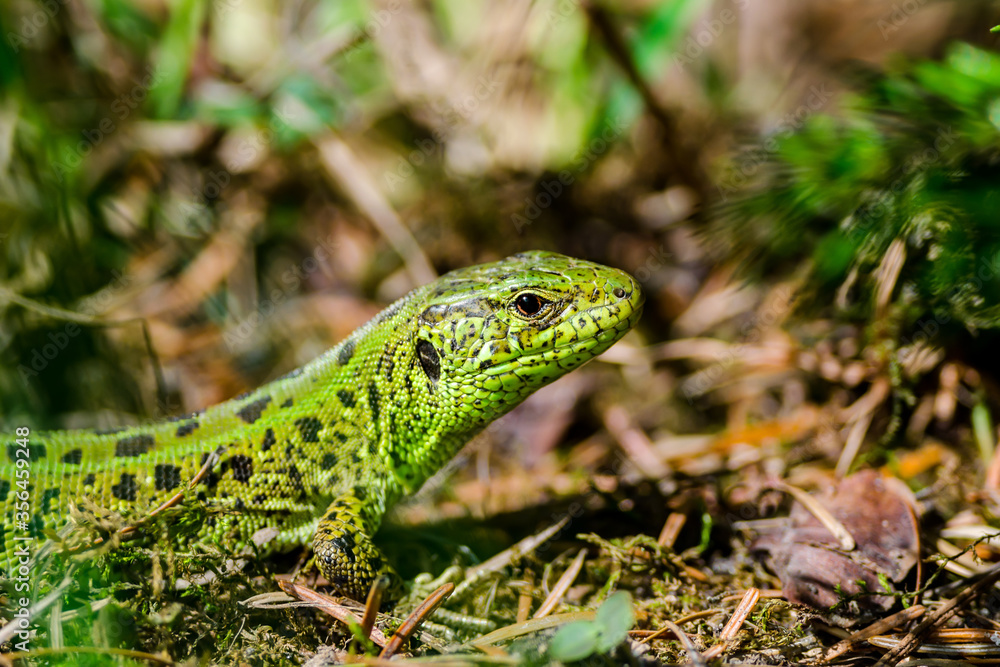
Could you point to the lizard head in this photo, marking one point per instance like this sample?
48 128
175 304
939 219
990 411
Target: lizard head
490 335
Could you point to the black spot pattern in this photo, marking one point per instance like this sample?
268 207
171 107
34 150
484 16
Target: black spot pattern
187 429
211 479
373 402
309 427
73 456
167 477
329 460
126 488
242 466
295 477
36 525
288 403
346 352
4 489
134 445
89 480
345 543
251 412
268 440
35 452
48 495
346 397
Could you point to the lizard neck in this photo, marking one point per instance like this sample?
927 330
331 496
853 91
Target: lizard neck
406 426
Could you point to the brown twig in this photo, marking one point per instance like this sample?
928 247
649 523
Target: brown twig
937 617
565 581
372 605
877 628
732 627
331 607
697 659
665 629
413 621
671 529
524 601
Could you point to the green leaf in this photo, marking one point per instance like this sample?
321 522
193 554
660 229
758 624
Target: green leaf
575 641
614 619
127 21
662 32
833 256
982 427
955 86
173 61
706 532
227 106
976 63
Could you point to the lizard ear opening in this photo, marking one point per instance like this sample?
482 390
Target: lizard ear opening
429 360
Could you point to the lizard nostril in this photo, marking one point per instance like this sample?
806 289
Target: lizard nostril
619 293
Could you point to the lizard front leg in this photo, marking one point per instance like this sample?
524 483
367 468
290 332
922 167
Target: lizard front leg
344 552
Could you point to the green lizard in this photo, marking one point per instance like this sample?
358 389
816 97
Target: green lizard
325 451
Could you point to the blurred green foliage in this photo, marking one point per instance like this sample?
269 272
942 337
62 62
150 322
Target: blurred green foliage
915 158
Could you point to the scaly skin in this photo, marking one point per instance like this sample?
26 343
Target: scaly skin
325 451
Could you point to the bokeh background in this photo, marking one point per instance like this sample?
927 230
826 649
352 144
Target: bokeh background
198 196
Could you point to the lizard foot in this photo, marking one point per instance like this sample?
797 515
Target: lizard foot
345 554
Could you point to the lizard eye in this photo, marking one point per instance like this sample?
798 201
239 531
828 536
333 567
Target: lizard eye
530 305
